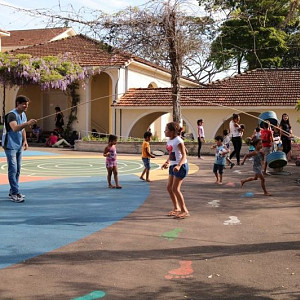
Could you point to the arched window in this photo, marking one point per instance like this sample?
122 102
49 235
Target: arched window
152 85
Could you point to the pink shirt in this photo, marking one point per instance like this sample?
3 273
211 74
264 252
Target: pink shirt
111 159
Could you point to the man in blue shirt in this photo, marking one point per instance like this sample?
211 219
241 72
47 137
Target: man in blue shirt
13 140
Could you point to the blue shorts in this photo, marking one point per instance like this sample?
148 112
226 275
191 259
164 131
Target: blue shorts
218 168
183 171
146 162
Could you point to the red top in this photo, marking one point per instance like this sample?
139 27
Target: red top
265 135
53 139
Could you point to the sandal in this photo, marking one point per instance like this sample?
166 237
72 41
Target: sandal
111 187
182 215
173 213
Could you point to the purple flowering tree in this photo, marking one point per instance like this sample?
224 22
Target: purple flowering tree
57 72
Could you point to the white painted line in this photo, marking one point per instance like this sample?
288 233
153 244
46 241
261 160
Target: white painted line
233 220
214 203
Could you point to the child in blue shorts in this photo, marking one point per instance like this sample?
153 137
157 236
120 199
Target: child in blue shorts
146 155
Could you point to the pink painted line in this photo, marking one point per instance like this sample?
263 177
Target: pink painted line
4 179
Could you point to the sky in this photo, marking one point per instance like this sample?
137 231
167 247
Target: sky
10 19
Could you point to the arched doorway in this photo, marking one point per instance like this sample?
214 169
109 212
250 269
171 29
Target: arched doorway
101 96
156 121
143 124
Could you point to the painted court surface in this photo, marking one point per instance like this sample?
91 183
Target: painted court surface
73 238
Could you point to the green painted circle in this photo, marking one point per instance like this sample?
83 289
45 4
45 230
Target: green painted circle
77 167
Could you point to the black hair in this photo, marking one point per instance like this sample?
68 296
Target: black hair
235 116
200 120
255 142
147 134
285 122
265 125
21 99
112 138
225 132
257 129
219 138
57 108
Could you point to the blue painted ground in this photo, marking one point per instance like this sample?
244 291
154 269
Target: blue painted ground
32 153
59 212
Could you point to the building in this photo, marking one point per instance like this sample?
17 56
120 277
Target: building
113 74
126 94
249 94
17 39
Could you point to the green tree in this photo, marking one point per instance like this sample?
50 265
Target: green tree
259 33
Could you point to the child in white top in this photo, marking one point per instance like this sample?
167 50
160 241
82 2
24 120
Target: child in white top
220 157
226 142
178 169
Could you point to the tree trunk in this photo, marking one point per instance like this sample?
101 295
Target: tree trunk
175 63
3 104
175 94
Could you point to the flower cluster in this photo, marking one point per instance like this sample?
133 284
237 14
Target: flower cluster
57 72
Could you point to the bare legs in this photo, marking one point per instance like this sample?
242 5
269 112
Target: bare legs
262 179
219 178
147 172
114 171
173 187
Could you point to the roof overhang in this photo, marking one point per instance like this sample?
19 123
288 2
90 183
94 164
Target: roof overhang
166 73
4 33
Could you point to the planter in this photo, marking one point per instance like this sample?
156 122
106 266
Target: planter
136 147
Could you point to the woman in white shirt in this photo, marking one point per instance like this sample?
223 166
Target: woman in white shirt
201 136
236 131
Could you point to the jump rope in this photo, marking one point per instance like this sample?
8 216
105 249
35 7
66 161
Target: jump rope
206 101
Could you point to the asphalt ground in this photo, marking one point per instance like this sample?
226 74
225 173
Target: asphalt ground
119 244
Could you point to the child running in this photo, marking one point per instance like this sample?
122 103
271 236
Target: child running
110 153
146 155
258 158
177 171
220 157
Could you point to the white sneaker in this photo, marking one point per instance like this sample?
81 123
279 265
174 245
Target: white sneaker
19 195
16 198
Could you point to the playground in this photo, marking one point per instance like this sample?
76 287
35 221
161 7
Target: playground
73 238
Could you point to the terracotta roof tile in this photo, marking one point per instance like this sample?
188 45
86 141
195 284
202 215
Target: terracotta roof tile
23 38
81 49
87 52
261 87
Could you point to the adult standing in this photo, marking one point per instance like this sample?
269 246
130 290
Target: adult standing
236 131
286 135
201 136
59 120
13 140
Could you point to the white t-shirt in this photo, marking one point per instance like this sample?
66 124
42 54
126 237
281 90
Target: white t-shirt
226 141
201 132
234 131
175 154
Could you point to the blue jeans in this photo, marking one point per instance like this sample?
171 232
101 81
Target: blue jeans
14 159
